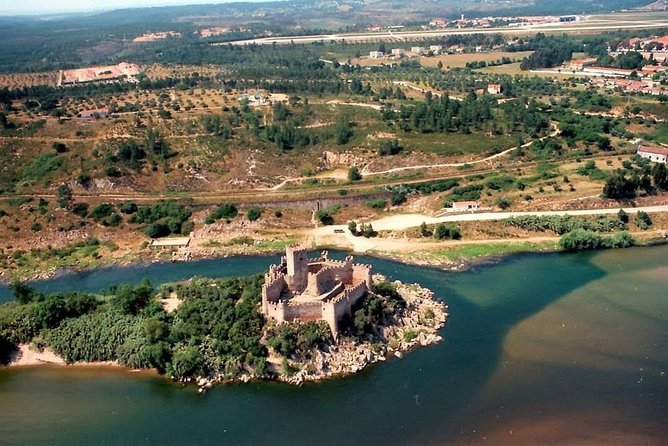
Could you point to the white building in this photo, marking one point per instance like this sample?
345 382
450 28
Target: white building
654 153
436 49
253 99
459 206
417 49
376 54
397 51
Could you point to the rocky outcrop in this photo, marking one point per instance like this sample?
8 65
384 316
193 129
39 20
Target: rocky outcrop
417 326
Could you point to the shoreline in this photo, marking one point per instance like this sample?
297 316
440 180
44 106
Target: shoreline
417 325
462 264
26 358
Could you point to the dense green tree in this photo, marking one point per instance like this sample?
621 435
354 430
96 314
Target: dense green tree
23 293
354 174
343 130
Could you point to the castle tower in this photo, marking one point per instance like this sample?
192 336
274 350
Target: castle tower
297 262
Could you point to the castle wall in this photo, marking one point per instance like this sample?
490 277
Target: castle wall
329 275
341 306
337 285
304 311
362 273
276 311
271 291
356 293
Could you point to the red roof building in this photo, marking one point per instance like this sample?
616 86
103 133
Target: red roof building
654 153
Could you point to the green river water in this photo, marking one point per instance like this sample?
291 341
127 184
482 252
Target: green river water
539 349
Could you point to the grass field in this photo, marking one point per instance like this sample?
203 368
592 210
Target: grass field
456 143
468 252
661 134
513 69
460 60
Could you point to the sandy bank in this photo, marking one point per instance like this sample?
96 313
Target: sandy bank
26 355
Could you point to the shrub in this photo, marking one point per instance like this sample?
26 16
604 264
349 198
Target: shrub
376 204
101 211
42 166
226 211
128 207
581 239
354 174
500 182
389 147
623 216
80 209
157 230
112 171
326 216
504 202
425 231
464 193
84 180
398 198
254 213
563 224
59 147
444 232
643 220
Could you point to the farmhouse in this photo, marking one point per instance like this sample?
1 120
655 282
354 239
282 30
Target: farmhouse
253 99
494 88
581 64
306 289
459 206
376 54
654 153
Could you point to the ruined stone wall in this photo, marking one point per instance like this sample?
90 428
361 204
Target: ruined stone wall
362 273
356 293
275 271
276 311
271 291
304 311
329 275
341 306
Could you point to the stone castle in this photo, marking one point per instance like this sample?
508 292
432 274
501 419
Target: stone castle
306 289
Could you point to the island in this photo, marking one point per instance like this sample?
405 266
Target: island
306 319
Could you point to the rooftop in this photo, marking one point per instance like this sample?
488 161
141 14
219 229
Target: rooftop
654 149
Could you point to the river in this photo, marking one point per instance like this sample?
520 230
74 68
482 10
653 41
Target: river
539 349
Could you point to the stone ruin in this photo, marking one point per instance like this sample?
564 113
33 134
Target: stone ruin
306 289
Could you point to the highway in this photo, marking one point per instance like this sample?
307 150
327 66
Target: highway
591 23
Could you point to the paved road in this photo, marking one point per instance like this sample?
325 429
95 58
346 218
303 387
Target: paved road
565 28
406 221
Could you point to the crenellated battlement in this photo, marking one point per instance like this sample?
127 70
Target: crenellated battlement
326 289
